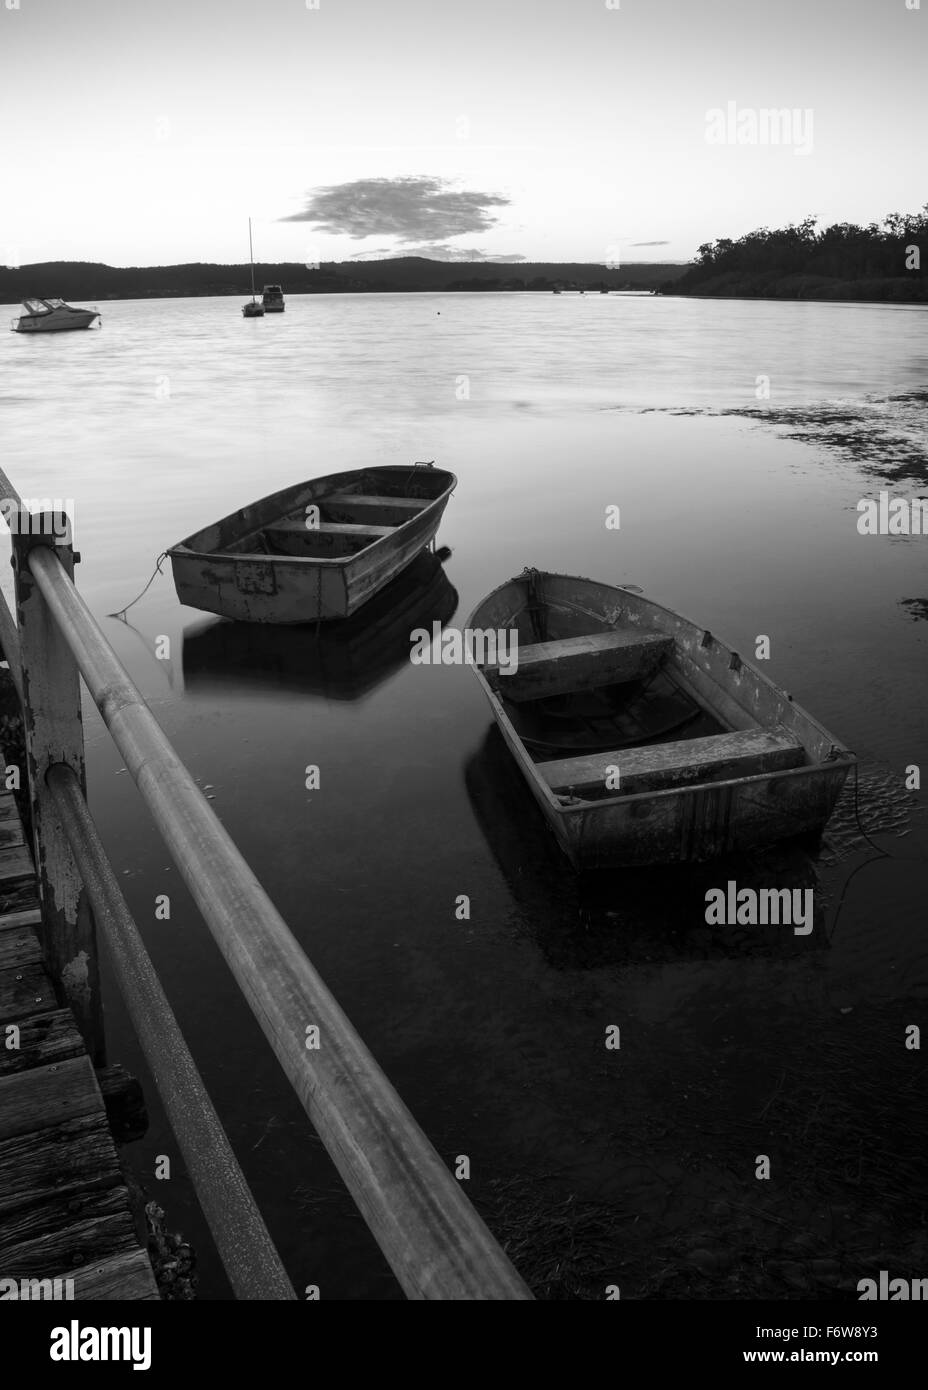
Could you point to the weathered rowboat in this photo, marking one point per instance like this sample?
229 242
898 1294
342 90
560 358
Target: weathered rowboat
642 737
316 551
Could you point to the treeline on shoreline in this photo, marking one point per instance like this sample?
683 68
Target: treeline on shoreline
884 261
83 280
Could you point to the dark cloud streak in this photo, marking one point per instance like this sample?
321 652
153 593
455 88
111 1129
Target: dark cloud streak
414 209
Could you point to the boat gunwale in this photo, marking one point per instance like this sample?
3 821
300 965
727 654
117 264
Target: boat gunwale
844 757
181 548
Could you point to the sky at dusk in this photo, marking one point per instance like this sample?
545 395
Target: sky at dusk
145 132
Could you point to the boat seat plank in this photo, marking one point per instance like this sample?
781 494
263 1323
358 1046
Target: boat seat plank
581 663
329 528
361 507
363 499
715 758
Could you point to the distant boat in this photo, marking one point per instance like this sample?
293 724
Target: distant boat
52 316
642 737
273 299
315 551
254 310
555 291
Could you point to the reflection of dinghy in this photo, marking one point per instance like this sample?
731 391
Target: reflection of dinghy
641 736
344 661
315 551
598 918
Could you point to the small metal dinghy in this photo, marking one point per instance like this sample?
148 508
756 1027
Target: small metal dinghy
642 737
316 551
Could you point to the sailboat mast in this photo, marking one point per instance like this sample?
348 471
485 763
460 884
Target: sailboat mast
251 257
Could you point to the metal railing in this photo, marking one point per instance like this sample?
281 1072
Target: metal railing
433 1239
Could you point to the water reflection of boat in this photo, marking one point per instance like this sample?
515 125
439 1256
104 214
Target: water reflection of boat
342 661
584 920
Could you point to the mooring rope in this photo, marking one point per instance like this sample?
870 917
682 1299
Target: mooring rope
121 612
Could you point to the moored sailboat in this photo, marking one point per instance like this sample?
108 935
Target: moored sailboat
254 310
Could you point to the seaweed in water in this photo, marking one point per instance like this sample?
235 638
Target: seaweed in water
916 608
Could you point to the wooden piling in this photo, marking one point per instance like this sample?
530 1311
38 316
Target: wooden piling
54 733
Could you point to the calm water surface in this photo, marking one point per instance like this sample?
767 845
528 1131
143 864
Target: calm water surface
179 411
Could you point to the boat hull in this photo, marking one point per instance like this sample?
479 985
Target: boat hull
40 324
290 589
684 823
342 661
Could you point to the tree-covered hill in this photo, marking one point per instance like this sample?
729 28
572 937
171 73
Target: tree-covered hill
882 261
406 274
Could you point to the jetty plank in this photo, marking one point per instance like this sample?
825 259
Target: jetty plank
65 1211
79 1157
15 863
28 917
47 1096
11 834
19 947
25 991
56 1253
43 1038
123 1276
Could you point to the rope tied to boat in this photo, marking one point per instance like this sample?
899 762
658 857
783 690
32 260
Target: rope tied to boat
535 605
121 612
419 464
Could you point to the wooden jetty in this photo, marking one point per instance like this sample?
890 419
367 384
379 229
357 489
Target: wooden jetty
61 1196
64 1205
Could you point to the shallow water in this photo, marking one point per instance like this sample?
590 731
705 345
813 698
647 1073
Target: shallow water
734 1041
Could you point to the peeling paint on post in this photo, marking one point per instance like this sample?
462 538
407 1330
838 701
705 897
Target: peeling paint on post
55 734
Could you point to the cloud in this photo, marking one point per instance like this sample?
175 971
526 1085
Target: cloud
649 243
437 251
413 209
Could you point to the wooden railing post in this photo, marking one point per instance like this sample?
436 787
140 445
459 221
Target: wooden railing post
54 733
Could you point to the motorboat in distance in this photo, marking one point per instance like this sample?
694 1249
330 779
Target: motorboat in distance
52 316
